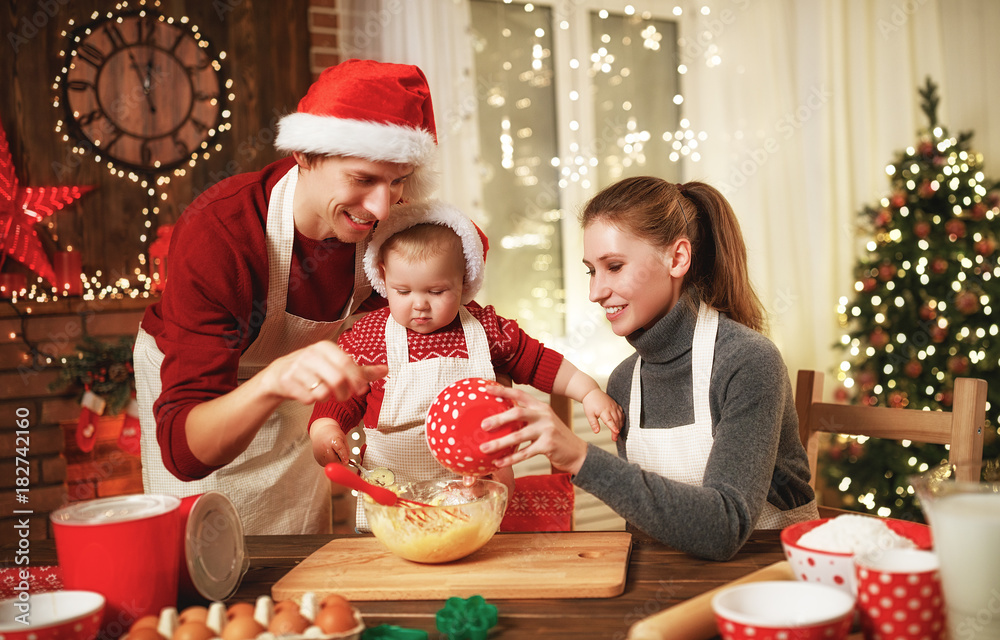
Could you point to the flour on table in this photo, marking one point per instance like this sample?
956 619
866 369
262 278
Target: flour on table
853 534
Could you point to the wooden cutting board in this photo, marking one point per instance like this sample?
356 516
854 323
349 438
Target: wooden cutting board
511 565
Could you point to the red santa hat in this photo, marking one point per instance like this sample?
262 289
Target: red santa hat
474 242
366 109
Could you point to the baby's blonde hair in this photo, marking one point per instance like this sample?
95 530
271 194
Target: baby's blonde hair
423 241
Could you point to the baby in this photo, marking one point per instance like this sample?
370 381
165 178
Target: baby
428 261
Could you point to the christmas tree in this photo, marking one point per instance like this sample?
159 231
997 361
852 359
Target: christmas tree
922 312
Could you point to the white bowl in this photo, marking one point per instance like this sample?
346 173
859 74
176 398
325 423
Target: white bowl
72 615
783 608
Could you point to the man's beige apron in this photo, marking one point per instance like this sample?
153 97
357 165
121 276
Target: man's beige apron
276 484
681 453
399 443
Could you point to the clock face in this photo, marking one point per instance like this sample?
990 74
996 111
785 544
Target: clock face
143 91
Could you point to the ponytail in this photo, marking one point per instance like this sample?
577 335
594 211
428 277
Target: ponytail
719 271
660 212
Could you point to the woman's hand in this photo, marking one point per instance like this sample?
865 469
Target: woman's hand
600 407
321 370
329 444
545 432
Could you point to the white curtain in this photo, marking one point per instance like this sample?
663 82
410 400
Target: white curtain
435 36
804 103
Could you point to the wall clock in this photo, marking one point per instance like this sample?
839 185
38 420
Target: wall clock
143 91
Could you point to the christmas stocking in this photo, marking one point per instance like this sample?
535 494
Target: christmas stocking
91 406
128 439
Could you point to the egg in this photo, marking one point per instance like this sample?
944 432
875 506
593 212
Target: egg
239 609
193 614
193 630
242 628
145 622
285 622
285 605
144 633
335 618
334 599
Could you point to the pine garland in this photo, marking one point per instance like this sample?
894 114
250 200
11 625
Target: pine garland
103 368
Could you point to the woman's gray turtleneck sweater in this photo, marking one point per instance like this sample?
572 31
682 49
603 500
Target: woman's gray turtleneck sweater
756 454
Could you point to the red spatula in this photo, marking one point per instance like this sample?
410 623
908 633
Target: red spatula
342 475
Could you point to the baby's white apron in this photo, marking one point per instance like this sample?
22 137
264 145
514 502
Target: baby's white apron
399 442
681 453
276 484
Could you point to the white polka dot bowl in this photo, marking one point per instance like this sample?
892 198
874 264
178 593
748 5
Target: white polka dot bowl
56 615
783 610
460 520
834 568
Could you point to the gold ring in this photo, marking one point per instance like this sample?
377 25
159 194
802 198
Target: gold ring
315 385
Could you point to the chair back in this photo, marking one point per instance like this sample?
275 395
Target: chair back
961 428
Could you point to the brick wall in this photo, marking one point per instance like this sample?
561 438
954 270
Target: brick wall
324 35
57 472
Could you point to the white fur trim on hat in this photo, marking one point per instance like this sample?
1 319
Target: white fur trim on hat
433 212
375 141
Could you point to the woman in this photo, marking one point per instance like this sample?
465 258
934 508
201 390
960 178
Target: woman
710 448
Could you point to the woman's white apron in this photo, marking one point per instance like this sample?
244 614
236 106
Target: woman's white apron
681 453
276 484
399 443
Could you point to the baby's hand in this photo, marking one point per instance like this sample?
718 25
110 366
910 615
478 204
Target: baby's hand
599 407
329 443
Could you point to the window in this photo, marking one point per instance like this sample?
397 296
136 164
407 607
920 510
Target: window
572 97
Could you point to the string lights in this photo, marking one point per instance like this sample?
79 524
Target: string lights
155 178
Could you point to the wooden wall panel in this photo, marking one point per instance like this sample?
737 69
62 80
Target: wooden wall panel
267 46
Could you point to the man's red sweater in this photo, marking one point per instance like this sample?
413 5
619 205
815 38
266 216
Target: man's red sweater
216 298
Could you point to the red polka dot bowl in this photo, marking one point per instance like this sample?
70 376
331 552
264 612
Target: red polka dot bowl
56 615
834 568
783 610
454 426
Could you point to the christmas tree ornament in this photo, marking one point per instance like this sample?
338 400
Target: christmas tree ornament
454 426
955 229
967 302
986 247
23 207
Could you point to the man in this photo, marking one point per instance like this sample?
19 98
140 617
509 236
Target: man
264 270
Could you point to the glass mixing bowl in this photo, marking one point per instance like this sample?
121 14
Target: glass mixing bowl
460 520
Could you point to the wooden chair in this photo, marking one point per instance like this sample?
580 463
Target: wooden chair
961 428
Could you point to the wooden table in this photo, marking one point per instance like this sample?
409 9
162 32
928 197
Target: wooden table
658 577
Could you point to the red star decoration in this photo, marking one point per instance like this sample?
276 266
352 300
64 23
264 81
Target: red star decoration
21 208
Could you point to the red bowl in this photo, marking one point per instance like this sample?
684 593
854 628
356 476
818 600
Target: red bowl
57 615
834 568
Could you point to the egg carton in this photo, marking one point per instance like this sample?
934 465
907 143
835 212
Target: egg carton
264 612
